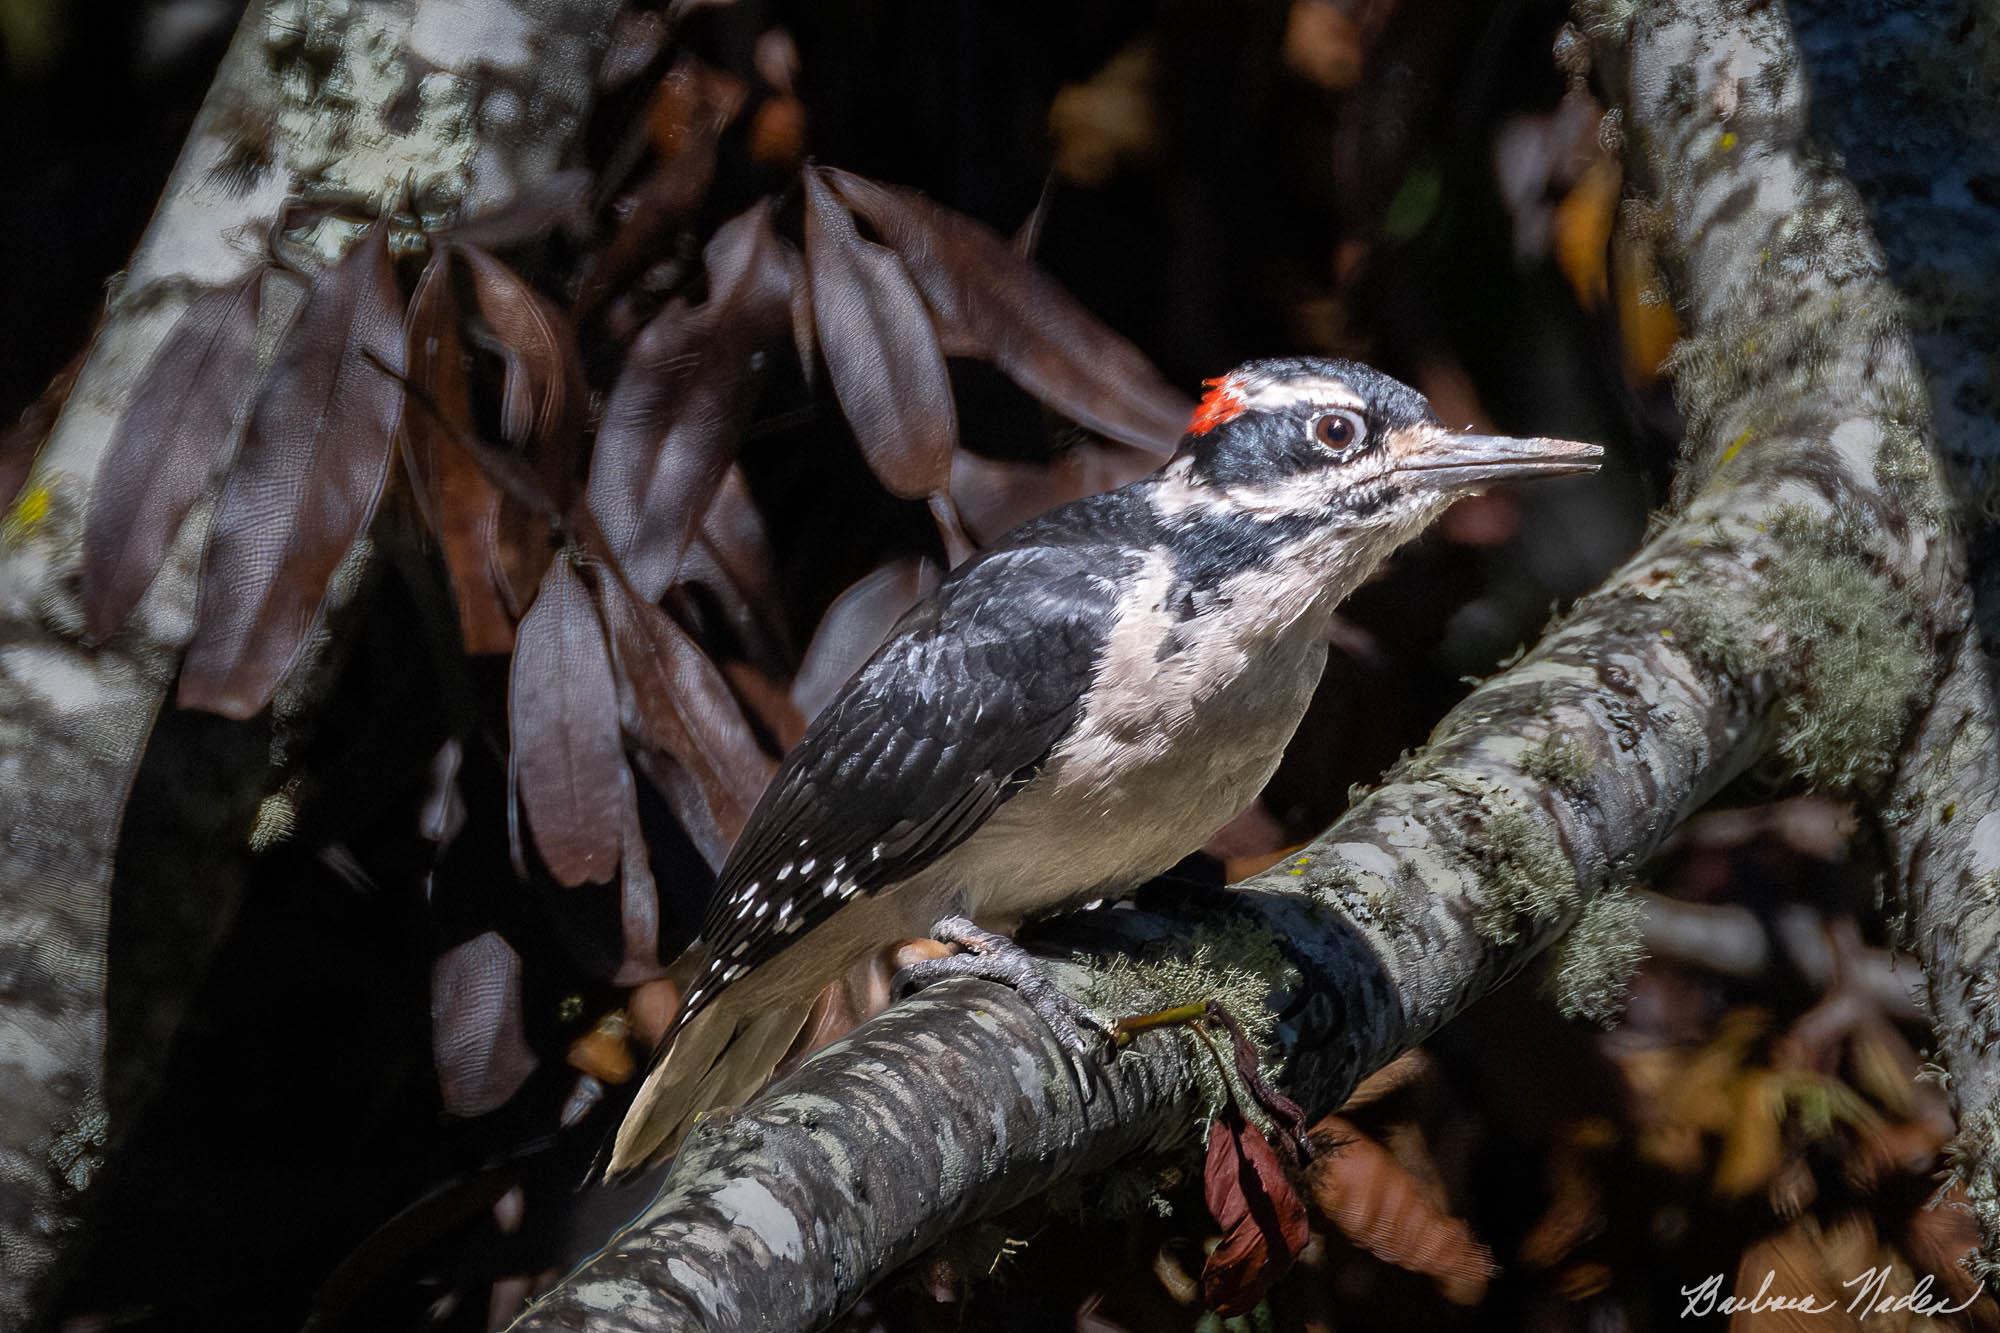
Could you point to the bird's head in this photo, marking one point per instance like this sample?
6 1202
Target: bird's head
1306 442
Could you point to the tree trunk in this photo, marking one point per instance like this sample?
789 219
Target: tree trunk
1791 615
462 101
1928 186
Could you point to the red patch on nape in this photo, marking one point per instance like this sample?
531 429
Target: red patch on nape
1223 402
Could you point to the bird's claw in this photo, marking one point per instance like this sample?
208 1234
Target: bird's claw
989 956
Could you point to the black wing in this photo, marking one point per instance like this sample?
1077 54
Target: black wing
949 718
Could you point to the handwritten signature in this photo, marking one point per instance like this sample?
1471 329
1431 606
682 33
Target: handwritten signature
1868 1286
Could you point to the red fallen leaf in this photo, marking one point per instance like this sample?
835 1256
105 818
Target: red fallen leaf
881 350
1263 1220
305 484
676 415
1360 1187
676 706
543 402
855 626
562 708
995 304
183 420
462 504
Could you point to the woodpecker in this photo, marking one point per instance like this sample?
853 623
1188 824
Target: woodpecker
1067 715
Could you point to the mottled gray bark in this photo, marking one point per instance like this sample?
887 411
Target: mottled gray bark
461 100
1909 93
1789 615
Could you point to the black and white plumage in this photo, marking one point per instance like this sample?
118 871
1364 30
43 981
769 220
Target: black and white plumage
1071 712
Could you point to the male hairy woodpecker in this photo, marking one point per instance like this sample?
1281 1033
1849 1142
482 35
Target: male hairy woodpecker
1067 715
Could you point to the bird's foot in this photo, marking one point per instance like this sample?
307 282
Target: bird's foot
989 956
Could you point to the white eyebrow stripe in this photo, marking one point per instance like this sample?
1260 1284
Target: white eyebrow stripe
1276 395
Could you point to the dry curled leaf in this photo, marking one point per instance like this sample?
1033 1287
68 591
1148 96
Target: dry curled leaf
677 412
543 403
1262 1218
739 568
181 424
305 485
855 626
544 205
562 707
638 895
995 304
677 708
995 496
460 501
690 108
1360 1187
881 351
478 1039
1795 1277
605 1052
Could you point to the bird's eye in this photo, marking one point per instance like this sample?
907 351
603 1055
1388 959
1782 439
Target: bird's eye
1338 431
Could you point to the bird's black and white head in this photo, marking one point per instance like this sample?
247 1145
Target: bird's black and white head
1334 463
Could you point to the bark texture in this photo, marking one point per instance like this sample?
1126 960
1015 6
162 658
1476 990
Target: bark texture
1931 73
1790 614
459 100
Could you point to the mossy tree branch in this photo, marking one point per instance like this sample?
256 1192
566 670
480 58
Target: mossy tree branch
1906 91
1789 615
458 101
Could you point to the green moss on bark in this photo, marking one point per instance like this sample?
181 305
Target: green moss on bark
1522 871
1853 645
1847 643
1233 963
1557 760
1594 963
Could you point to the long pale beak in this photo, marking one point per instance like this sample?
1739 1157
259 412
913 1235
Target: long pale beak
1456 460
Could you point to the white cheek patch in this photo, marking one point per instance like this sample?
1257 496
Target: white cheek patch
1308 493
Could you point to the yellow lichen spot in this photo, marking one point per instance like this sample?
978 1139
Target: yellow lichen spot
1735 448
30 511
1728 141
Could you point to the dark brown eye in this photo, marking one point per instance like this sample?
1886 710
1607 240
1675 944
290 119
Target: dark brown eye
1337 431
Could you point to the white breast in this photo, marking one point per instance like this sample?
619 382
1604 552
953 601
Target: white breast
1168 749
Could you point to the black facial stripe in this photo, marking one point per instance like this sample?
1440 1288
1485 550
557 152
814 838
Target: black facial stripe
1211 545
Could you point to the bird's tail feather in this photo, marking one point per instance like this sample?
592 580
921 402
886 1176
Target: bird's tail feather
720 1058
